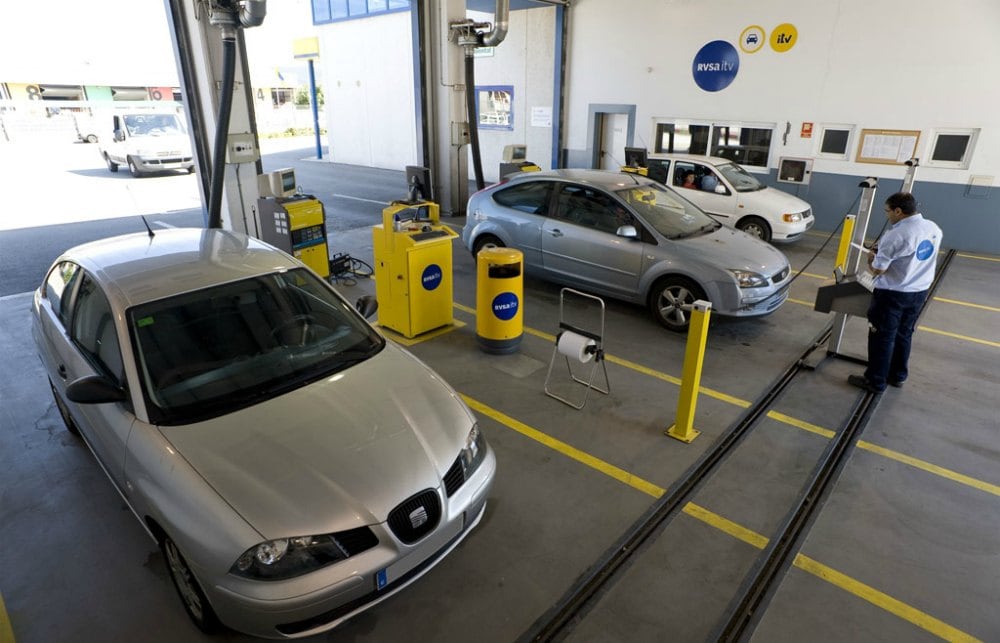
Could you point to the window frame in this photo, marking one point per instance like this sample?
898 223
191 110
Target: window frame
848 146
664 126
970 147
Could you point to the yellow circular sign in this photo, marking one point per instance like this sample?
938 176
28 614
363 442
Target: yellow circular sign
784 37
752 39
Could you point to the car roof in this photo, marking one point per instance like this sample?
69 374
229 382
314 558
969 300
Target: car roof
137 268
698 158
606 179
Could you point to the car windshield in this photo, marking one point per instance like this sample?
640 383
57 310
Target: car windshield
668 213
153 124
740 179
213 351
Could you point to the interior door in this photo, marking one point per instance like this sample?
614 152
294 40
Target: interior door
613 139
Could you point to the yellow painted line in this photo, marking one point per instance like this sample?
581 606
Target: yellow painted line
968 256
930 468
801 424
6 631
801 302
569 451
880 599
464 309
965 303
413 341
985 342
815 276
735 530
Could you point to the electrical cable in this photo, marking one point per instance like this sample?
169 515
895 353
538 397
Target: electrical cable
222 127
470 106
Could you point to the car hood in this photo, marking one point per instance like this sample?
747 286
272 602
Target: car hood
159 142
727 248
333 455
771 200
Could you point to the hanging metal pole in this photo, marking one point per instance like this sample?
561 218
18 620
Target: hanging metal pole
315 107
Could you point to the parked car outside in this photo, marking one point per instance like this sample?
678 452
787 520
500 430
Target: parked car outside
628 237
735 197
147 142
294 467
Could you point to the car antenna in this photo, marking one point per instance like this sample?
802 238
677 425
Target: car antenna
148 229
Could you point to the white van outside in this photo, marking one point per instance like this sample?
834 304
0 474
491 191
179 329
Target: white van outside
147 141
733 196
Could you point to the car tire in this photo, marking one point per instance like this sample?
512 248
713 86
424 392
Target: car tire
188 589
671 301
486 241
91 138
756 227
133 168
64 411
112 166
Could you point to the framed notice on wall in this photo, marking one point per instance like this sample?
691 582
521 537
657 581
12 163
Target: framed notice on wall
887 146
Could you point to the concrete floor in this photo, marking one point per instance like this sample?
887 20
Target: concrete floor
906 548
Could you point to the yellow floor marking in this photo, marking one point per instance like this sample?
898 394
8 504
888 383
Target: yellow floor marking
572 452
815 276
778 417
965 303
880 599
832 576
931 468
735 530
801 302
6 631
968 256
985 342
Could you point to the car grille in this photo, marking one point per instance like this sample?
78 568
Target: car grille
415 517
355 541
779 276
455 478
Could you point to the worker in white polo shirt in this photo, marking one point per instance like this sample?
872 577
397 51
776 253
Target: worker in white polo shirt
903 264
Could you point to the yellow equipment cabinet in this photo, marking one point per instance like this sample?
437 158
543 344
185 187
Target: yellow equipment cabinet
296 225
413 268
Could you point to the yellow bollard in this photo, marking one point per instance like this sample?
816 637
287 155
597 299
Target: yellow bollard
694 355
845 243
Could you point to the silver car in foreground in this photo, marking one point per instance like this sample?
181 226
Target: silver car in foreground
293 466
628 237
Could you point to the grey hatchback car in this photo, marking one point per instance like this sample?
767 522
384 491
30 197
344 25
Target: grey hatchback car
293 466
628 237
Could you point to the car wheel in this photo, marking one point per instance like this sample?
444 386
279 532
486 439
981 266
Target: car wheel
672 300
486 241
132 168
64 411
755 226
112 166
191 595
91 138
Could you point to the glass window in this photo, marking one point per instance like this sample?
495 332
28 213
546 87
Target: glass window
321 11
399 4
358 7
743 145
495 106
592 208
697 176
834 141
59 285
338 9
533 197
741 180
667 213
952 148
216 350
376 6
93 330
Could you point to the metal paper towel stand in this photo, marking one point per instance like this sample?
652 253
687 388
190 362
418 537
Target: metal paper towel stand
597 350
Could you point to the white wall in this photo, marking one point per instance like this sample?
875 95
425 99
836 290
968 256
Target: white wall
891 64
367 78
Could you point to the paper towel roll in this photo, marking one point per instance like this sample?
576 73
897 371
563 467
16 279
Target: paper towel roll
575 346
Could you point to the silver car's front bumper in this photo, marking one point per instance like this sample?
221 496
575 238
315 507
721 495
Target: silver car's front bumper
297 608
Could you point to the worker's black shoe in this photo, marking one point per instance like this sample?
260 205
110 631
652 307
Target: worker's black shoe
896 383
861 382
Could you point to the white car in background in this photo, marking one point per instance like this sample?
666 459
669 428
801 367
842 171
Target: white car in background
734 196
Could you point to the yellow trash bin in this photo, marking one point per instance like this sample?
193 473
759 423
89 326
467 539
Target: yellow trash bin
499 295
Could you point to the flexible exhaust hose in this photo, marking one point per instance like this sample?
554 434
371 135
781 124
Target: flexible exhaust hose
470 105
222 128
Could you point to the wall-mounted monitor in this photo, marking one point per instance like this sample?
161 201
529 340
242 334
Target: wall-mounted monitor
282 182
515 153
635 156
418 180
795 170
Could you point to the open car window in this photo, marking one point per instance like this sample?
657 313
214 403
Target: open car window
216 350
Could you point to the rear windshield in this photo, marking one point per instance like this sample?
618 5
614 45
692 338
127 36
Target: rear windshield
213 351
665 211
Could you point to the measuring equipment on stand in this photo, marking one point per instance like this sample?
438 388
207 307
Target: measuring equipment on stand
293 222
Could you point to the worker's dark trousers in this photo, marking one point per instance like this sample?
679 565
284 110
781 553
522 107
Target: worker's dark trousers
891 318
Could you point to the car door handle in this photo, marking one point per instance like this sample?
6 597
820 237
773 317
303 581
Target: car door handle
556 232
62 371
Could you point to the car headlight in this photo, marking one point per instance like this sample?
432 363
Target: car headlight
792 217
289 557
474 451
747 279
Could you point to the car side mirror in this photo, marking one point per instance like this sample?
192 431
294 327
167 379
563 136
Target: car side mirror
94 389
720 189
366 305
627 231
119 135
